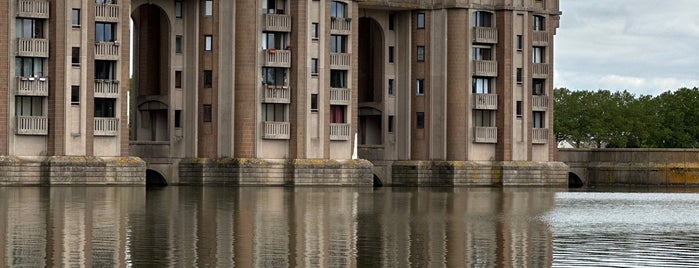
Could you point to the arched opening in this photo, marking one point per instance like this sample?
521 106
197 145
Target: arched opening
377 181
574 180
371 82
151 74
154 178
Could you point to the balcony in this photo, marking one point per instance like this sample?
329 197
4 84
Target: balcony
541 38
32 47
33 9
540 135
339 132
487 68
276 130
32 125
107 51
340 96
276 94
107 12
106 88
277 23
106 126
486 35
485 101
540 103
340 26
32 86
485 135
340 61
541 70
276 58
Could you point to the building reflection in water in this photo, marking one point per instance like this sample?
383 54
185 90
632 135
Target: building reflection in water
274 227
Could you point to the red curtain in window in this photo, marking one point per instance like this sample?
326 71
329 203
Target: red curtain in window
337 114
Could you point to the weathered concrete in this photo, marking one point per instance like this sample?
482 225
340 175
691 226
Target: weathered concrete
65 170
671 167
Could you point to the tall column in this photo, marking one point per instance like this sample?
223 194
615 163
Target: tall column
4 75
504 85
208 130
420 139
298 75
57 63
458 100
246 55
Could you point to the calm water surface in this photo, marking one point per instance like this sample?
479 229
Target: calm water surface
346 227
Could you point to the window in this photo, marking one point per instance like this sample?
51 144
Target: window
391 51
420 120
178 8
314 66
519 109
338 78
111 2
104 107
483 118
337 114
273 41
520 42
390 124
75 21
391 21
314 103
178 118
315 28
338 9
29 106
178 79
105 32
208 8
482 53
420 87
539 120
420 53
338 43
538 54
208 42
482 19
539 23
274 112
274 76
519 75
538 87
421 20
105 70
75 95
29 28
29 67
391 84
481 85
208 78
75 56
178 44
208 113
274 7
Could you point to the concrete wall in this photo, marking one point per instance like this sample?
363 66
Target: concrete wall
63 170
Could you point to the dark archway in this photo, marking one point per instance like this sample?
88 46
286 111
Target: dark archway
371 81
154 178
574 180
377 181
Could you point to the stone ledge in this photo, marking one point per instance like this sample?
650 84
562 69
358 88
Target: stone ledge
73 170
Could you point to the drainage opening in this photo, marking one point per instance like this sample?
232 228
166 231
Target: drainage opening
154 178
574 180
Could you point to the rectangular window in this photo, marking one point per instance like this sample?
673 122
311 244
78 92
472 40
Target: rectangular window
314 103
105 107
178 44
539 23
274 112
482 53
420 53
483 118
519 75
538 87
208 42
421 20
420 87
178 118
208 113
29 28
519 109
315 28
538 55
481 85
391 51
274 7
390 124
105 70
391 84
338 78
75 56
538 121
520 42
76 17
105 32
29 106
178 79
338 43
208 78
273 41
274 76
338 9
391 21
337 114
483 19
314 66
420 120
178 8
208 8
75 95
29 67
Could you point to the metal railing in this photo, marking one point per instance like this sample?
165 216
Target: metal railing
485 135
339 132
276 130
32 125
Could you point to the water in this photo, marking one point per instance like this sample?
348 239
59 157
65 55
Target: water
346 227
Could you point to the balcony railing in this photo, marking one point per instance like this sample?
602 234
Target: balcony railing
32 125
340 61
107 51
33 47
106 126
33 9
540 135
485 134
540 103
339 132
487 35
541 38
32 86
485 101
276 130
106 88
340 96
107 12
277 58
277 22
541 70
276 94
340 25
485 68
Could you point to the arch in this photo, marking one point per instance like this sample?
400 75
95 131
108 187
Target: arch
154 178
377 181
371 81
574 180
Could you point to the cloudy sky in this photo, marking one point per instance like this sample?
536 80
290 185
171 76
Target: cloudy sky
643 46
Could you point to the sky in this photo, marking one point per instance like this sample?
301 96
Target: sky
644 46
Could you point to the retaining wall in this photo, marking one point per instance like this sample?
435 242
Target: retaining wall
65 170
